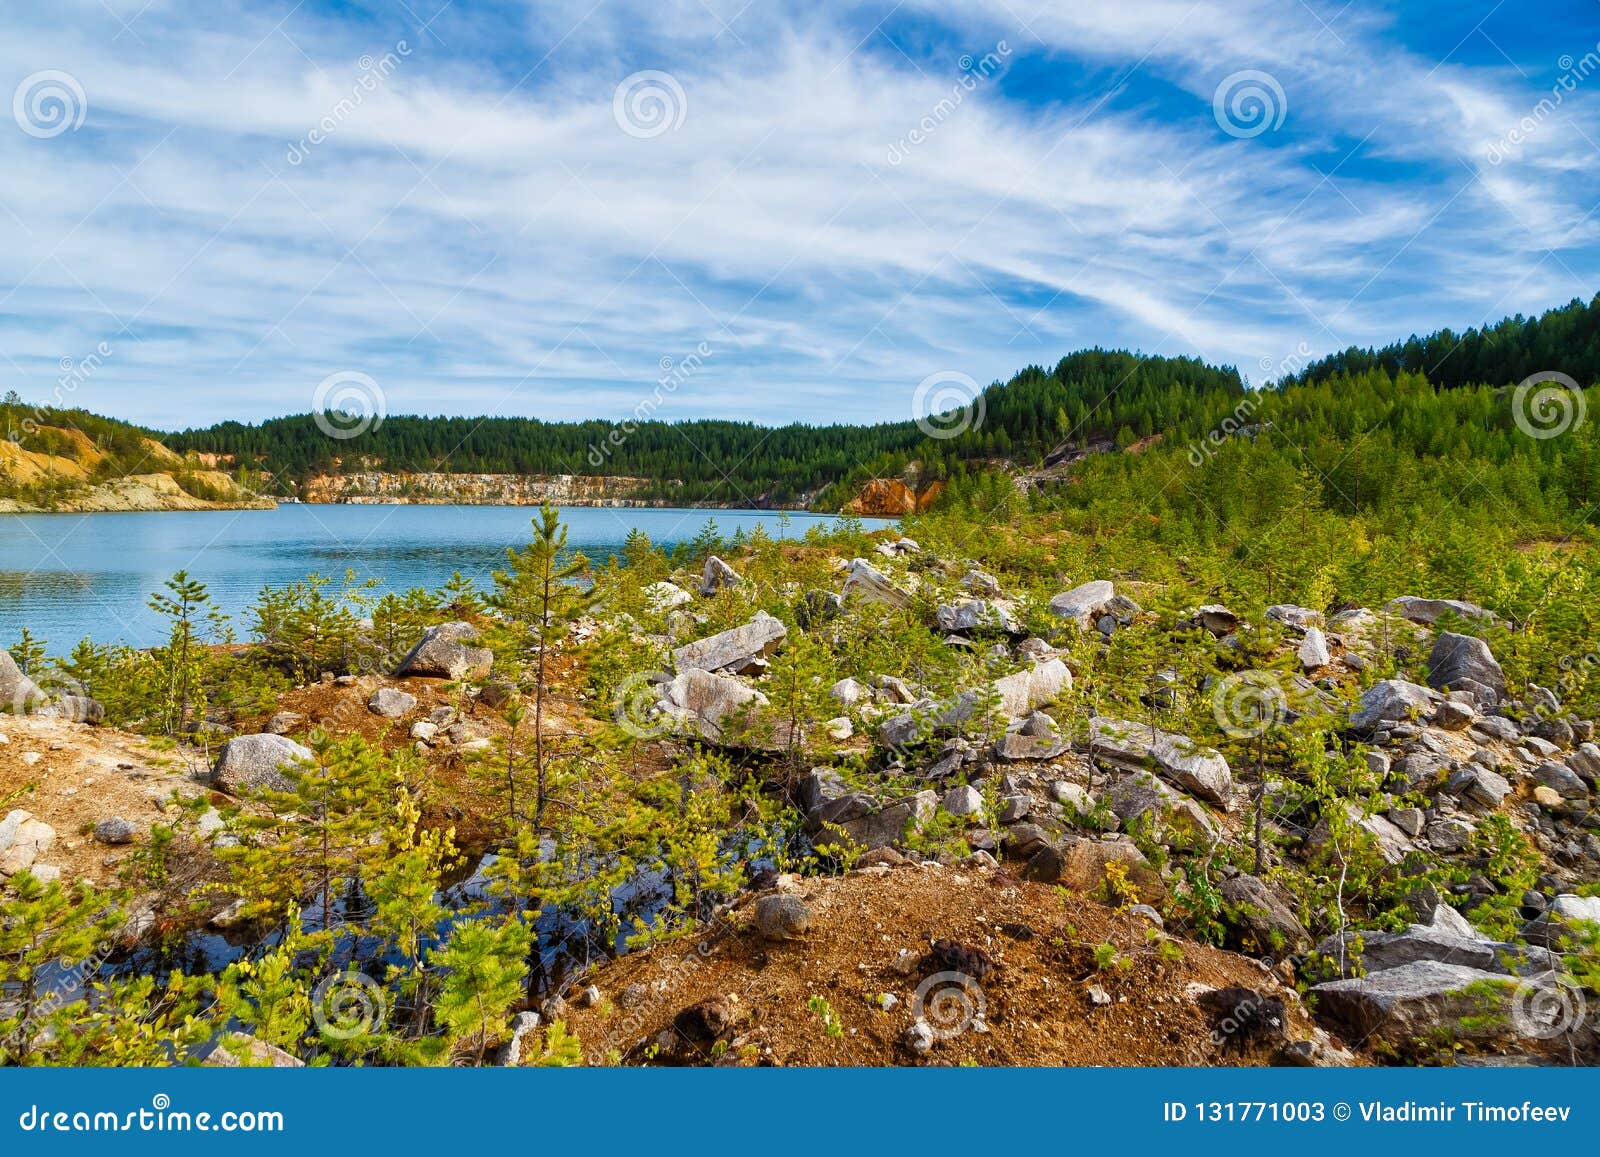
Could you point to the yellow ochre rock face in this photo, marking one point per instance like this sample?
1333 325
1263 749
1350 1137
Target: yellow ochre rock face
72 471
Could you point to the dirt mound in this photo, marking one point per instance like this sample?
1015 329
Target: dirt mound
453 781
72 776
847 990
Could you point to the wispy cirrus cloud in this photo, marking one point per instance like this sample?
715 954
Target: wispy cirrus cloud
472 227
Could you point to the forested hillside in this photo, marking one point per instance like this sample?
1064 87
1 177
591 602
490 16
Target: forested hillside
1565 339
1090 396
1431 420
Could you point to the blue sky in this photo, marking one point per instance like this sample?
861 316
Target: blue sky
833 201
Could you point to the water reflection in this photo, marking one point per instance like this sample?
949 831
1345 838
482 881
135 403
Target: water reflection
67 577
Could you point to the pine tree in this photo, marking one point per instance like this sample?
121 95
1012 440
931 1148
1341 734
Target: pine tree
29 653
315 837
407 913
183 662
43 925
484 966
539 597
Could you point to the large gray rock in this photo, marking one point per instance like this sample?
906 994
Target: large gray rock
1391 843
1295 618
23 839
717 575
443 653
1313 650
1024 692
1081 864
115 830
1560 778
1015 746
1391 701
860 821
1015 696
869 584
1458 658
1455 714
851 692
981 583
75 708
1377 951
1173 818
1259 919
391 702
962 800
1558 921
238 1050
1084 604
975 615
1201 771
818 786
1216 619
665 596
284 722
928 718
18 693
1430 611
782 917
1479 788
709 704
257 763
733 650
1422 1002
1586 762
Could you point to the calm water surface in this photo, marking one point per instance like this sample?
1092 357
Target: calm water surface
72 576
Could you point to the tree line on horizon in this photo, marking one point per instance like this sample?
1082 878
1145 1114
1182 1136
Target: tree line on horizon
1435 397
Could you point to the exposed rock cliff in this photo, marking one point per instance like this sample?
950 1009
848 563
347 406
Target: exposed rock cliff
374 486
892 498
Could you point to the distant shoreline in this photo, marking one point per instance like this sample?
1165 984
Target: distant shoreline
10 506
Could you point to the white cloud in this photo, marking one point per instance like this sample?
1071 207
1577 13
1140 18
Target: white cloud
479 247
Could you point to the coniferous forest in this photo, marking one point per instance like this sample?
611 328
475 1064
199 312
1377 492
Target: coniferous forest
1383 426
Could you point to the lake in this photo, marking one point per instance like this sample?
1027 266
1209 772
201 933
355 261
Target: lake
70 576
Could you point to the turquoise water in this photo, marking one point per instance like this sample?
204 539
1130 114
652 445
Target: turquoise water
72 576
